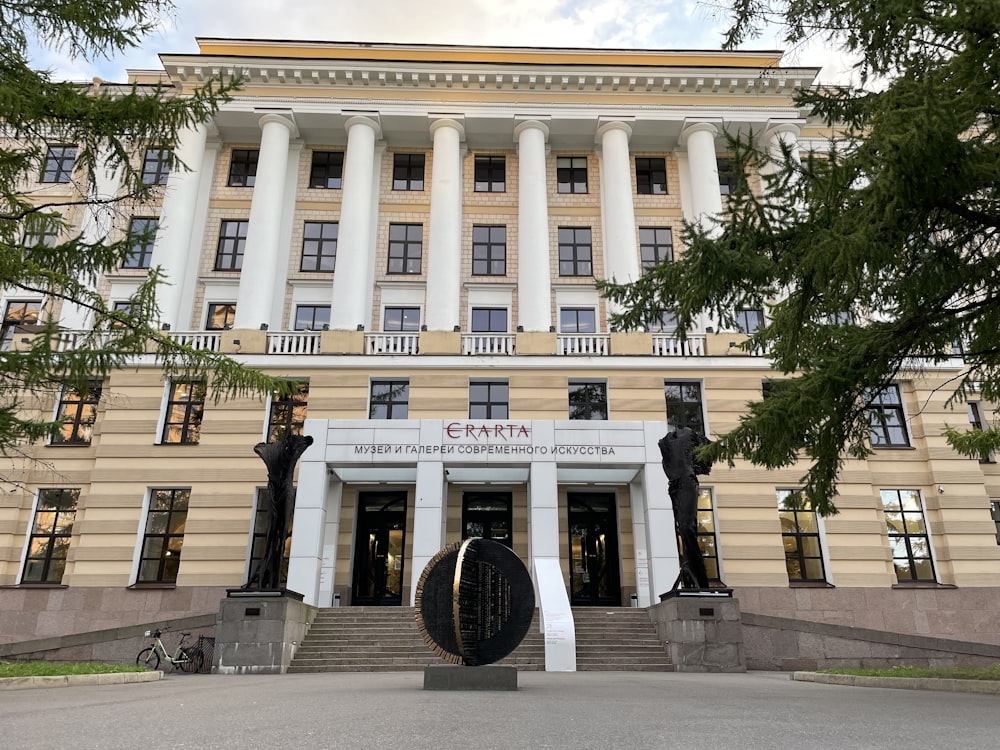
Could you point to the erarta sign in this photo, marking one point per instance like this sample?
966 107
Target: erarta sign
487 432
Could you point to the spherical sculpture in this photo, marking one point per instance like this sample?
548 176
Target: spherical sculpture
474 602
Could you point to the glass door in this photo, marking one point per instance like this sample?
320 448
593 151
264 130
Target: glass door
378 549
487 515
593 550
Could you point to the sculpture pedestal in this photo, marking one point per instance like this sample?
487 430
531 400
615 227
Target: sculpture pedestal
450 677
703 633
258 632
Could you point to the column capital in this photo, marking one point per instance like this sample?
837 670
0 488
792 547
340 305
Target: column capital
282 119
370 119
708 125
531 124
774 128
607 126
448 121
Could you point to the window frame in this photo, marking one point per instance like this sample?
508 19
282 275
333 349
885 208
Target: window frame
170 533
652 249
729 178
141 255
576 313
316 249
492 404
228 310
83 403
405 324
678 410
907 536
390 402
568 174
401 250
708 529
57 531
320 326
492 247
744 323
485 165
492 314
879 412
54 169
243 167
258 533
405 168
977 421
646 174
231 245
579 253
192 412
326 173
287 416
156 166
797 552
9 323
590 408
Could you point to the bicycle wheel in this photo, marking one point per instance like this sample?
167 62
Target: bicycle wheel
195 660
148 658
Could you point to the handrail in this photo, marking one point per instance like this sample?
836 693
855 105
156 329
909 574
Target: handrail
392 343
488 343
597 344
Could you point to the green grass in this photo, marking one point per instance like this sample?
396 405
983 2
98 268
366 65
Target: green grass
951 673
48 668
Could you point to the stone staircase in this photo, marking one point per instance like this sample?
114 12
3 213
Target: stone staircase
386 639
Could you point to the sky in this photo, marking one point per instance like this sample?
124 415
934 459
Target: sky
630 24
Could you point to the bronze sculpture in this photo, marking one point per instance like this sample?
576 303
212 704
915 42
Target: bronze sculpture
682 468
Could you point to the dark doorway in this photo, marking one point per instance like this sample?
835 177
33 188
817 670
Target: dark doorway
378 549
593 550
487 515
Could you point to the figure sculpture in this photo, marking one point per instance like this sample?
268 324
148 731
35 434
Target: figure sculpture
682 468
280 458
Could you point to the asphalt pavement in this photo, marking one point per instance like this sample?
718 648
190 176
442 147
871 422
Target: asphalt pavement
575 711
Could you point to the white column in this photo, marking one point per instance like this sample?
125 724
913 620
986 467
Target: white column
428 519
637 500
621 254
352 282
444 256
661 534
260 255
775 135
309 525
177 218
534 301
706 201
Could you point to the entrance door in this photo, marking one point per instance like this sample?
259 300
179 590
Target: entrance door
593 550
378 549
487 515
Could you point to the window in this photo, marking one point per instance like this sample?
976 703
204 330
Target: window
801 539
885 416
911 547
665 322
577 320
59 163
243 167
77 411
232 241
45 234
749 320
487 515
977 419
405 247
161 545
288 414
156 166
588 399
141 234
571 174
390 399
488 399
401 319
491 174
489 320
17 314
261 525
995 515
575 252
656 245
51 530
650 176
489 251
220 317
312 317
407 171
185 409
707 542
327 170
729 179
684 408
125 308
840 318
319 246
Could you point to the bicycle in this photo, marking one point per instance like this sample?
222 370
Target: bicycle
190 659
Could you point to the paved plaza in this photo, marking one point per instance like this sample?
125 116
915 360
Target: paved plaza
577 711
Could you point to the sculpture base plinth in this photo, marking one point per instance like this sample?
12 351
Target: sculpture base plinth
707 593
703 633
263 594
448 677
258 632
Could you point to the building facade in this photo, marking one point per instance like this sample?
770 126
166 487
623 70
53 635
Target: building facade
413 234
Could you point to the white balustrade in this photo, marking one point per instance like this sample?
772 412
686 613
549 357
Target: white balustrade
493 343
392 343
209 340
592 344
666 345
298 342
